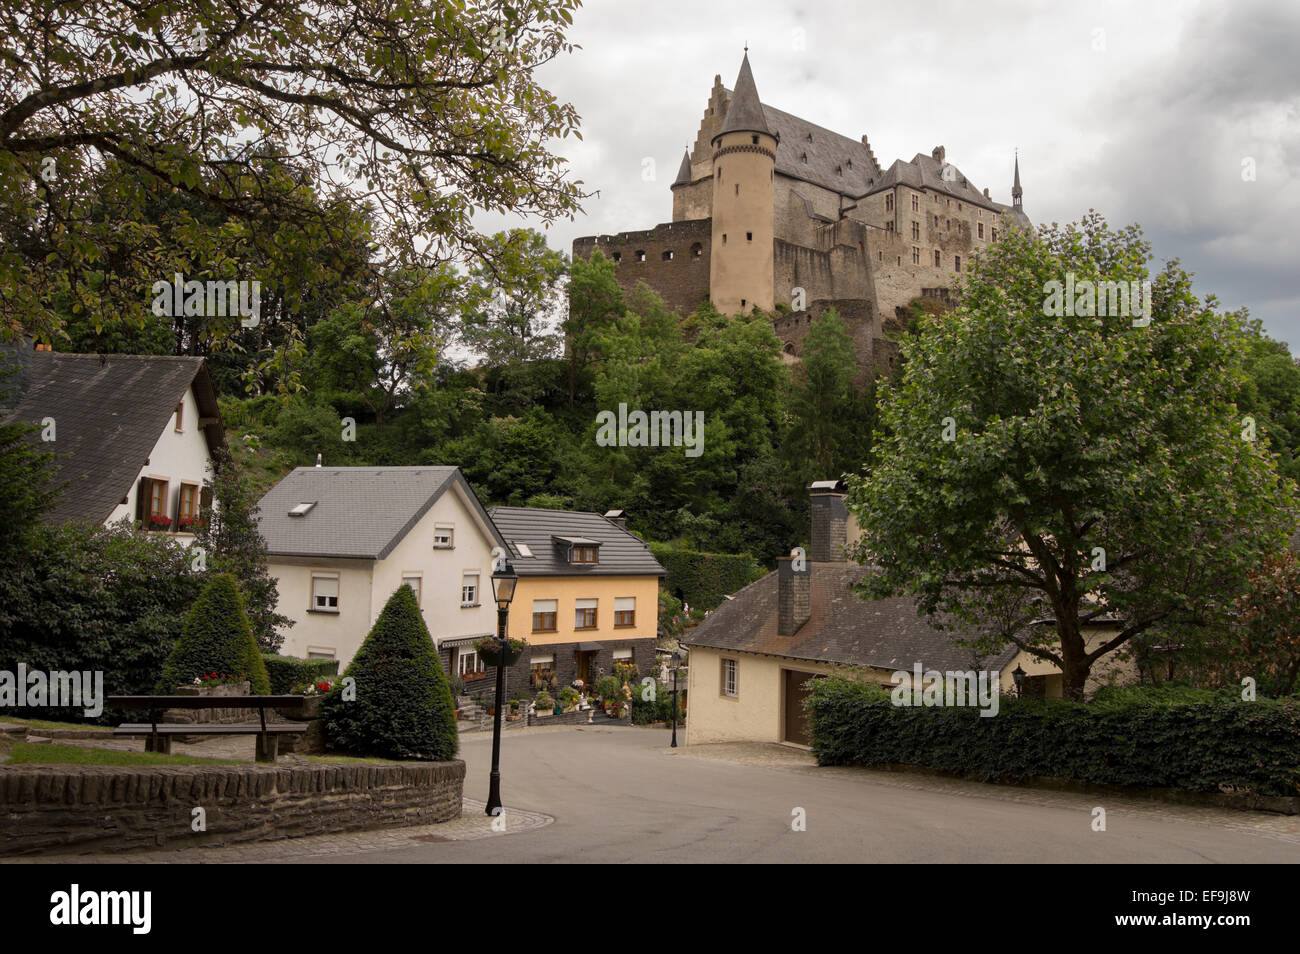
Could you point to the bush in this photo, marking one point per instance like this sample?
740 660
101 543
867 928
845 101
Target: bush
59 609
1175 738
703 579
287 671
544 700
610 688
660 709
403 707
216 638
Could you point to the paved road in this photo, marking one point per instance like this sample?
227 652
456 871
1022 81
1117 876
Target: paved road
621 795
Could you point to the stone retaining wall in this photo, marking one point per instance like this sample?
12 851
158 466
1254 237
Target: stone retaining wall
105 808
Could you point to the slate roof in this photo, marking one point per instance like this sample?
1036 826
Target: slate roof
360 512
109 411
744 111
620 554
926 172
843 627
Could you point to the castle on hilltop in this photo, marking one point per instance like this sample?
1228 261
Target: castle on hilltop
771 210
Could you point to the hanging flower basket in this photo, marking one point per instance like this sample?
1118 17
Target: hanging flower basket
489 651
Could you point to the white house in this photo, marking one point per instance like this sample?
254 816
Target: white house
133 435
341 540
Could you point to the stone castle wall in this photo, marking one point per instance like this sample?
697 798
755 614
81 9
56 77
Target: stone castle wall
672 258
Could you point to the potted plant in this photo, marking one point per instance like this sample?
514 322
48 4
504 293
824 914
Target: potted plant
568 699
489 651
545 704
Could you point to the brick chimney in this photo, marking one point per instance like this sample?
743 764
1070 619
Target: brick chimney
830 518
794 596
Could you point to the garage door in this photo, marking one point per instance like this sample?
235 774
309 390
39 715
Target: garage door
796 688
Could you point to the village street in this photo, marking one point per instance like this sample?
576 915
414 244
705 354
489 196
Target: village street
620 795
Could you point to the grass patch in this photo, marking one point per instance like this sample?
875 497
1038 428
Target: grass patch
31 753
43 724
345 759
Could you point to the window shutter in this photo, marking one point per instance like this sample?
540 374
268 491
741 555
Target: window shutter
176 517
143 494
205 499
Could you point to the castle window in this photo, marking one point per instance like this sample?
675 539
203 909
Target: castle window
916 203
995 235
981 228
958 206
889 202
737 188
880 257
839 170
640 255
719 173
667 255
956 262
742 304
724 238
938 261
889 226
618 257
898 259
804 158
809 137
916 255
936 221
850 163
916 230
749 236
754 140
697 250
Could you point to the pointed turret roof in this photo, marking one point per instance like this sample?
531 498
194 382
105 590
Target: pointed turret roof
1016 191
744 112
684 170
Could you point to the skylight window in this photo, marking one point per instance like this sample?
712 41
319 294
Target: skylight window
302 508
521 548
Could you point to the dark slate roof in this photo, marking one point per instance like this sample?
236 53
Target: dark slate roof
926 172
843 627
109 411
620 554
744 111
684 170
360 512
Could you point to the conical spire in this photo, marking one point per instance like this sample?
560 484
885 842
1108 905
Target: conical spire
1016 191
745 112
684 170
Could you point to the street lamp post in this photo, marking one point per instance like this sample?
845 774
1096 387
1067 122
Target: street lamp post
503 587
677 665
1018 675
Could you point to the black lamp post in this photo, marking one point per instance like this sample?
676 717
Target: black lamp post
1018 675
677 665
504 579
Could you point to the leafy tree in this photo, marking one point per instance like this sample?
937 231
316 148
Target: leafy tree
403 707
830 425
232 545
266 112
26 473
1092 468
1265 642
216 638
595 301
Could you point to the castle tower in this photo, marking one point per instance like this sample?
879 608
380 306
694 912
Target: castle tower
741 265
1016 191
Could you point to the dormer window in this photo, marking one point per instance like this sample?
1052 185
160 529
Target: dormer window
584 554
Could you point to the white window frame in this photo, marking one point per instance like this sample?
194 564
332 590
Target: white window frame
474 599
730 688
315 607
444 529
418 587
462 657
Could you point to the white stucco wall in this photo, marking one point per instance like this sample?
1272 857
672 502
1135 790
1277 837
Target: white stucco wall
366 585
176 458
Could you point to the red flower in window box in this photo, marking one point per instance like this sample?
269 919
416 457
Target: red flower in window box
159 521
189 524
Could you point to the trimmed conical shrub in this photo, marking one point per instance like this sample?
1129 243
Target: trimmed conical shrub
403 707
216 638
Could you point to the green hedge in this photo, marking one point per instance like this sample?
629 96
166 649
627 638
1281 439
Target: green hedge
1184 739
703 579
216 637
287 671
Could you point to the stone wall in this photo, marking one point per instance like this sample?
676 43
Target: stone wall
675 264
101 808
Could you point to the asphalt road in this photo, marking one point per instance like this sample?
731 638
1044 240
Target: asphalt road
621 795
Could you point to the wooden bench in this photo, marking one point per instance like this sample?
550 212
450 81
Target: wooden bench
158 735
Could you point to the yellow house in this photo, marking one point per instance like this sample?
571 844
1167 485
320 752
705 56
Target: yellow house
753 658
587 597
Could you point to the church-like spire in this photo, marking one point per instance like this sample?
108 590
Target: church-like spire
745 111
684 170
1016 191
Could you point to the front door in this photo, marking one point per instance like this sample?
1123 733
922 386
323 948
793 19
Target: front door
797 686
582 666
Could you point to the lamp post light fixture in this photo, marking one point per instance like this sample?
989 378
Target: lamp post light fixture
1018 675
676 657
504 580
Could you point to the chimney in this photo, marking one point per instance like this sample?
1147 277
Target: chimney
829 521
793 597
318 460
617 517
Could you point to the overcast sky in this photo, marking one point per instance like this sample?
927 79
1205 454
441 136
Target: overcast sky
1145 111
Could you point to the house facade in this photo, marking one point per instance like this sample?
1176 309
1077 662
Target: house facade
587 597
753 659
133 435
341 540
